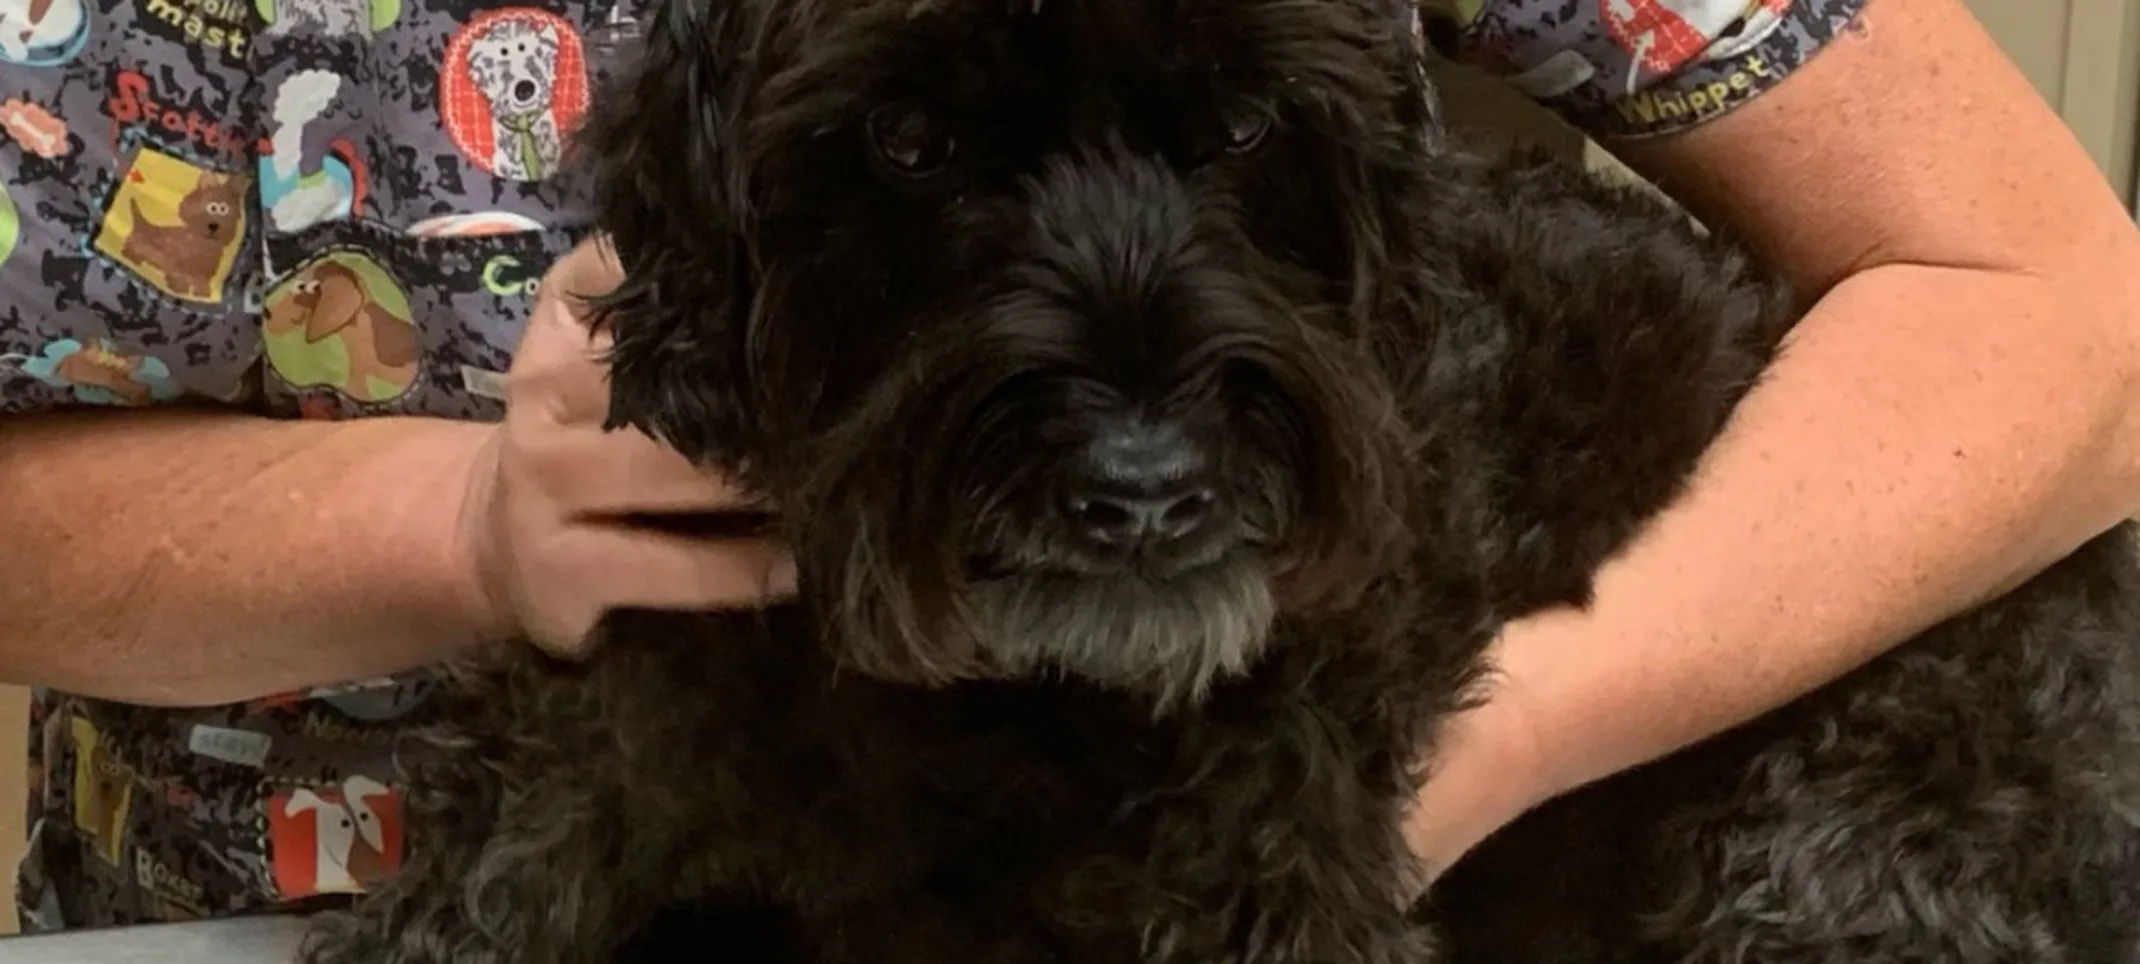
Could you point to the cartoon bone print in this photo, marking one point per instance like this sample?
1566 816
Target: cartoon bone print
356 833
513 64
34 127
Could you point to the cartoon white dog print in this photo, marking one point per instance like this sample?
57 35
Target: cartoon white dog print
325 18
513 63
350 835
301 99
39 26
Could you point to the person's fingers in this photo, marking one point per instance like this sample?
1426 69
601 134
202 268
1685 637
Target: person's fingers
570 472
561 366
617 567
561 372
588 471
666 573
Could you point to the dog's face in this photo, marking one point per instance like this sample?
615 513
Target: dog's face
211 207
514 64
1041 320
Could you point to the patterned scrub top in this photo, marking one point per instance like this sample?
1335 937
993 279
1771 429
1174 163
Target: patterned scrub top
340 208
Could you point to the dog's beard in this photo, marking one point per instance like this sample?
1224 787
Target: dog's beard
1169 641
928 575
923 545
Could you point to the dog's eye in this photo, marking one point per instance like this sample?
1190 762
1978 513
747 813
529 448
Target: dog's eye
1246 125
910 141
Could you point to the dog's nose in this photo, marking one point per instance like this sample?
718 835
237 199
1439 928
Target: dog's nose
1140 482
524 90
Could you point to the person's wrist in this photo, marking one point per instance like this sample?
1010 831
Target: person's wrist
483 604
1488 768
447 515
396 501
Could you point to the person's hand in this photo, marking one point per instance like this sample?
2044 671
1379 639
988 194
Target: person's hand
556 504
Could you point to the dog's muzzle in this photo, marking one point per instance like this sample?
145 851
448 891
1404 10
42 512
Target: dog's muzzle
1131 496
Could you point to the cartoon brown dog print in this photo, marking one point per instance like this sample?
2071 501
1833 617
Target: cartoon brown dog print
330 300
190 253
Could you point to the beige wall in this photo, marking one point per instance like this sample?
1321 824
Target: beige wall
2084 58
2033 32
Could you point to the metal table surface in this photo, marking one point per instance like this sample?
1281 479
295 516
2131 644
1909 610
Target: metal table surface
245 940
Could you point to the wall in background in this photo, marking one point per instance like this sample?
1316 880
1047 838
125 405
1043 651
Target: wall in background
2084 58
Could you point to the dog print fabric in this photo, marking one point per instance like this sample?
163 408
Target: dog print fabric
310 209
340 208
1637 68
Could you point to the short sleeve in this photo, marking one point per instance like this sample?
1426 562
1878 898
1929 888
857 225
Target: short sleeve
1637 68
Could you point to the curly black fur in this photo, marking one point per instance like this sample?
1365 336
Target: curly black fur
1430 391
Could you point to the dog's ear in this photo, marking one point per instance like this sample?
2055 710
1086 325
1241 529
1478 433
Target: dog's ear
1379 183
1378 123
341 298
658 154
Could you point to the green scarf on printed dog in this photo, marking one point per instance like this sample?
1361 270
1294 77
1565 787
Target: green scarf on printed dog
523 128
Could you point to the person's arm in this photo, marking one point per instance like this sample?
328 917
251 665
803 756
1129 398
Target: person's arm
191 557
198 557
1957 412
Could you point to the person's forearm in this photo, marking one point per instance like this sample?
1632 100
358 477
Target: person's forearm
1931 438
193 558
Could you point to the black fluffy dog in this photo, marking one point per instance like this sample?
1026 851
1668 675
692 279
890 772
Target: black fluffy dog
1164 422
